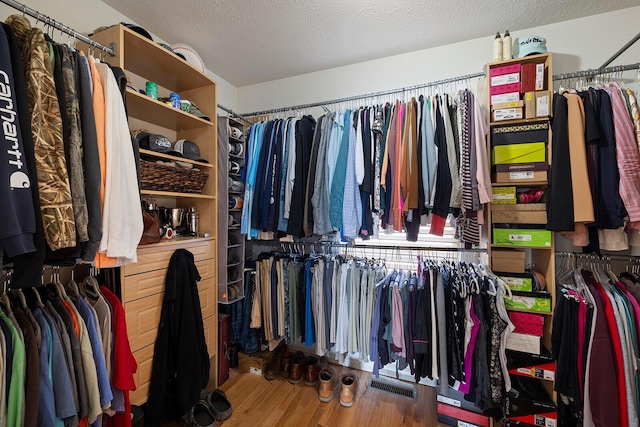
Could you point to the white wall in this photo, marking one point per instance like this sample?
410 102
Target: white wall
85 16
577 44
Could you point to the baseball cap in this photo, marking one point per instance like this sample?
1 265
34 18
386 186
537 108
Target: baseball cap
188 150
157 143
529 45
196 112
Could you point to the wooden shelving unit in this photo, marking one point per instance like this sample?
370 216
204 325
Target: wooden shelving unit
143 283
542 257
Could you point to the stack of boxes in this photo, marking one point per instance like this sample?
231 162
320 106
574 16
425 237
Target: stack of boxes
518 92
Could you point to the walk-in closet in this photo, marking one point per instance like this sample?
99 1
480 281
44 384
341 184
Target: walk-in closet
301 214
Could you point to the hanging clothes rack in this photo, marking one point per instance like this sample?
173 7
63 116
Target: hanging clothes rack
577 74
58 26
366 246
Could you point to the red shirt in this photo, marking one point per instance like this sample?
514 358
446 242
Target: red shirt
124 364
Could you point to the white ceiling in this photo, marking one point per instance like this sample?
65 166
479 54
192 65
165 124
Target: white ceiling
253 41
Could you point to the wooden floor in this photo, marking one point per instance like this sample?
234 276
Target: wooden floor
257 402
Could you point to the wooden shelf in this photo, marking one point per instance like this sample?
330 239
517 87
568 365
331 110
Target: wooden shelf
520 207
174 158
521 247
150 110
535 59
146 58
519 121
519 184
171 194
175 240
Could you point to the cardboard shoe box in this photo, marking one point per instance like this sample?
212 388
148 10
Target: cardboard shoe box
541 366
531 301
524 343
543 103
501 114
525 237
531 404
517 281
527 152
507 260
520 177
504 195
527 323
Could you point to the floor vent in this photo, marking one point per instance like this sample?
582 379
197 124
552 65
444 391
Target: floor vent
397 388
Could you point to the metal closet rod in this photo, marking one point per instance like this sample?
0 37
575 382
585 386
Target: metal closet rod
576 74
55 24
366 246
230 111
596 257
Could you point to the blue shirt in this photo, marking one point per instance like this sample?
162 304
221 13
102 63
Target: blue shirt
337 185
98 355
46 402
352 201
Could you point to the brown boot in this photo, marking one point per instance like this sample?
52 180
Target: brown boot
297 368
327 385
348 389
312 371
272 370
285 363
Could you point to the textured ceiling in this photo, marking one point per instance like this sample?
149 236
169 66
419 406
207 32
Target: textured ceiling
253 41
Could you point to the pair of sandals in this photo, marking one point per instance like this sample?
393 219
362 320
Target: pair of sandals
213 406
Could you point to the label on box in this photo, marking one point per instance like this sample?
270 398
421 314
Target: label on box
505 79
521 175
505 97
463 424
542 106
502 196
520 237
255 370
545 421
515 281
449 401
538 373
507 114
539 76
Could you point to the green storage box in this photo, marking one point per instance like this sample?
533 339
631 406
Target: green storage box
518 282
521 237
528 152
532 301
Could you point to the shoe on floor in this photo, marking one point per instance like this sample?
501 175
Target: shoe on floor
311 371
348 389
285 363
297 368
328 385
273 368
217 403
200 415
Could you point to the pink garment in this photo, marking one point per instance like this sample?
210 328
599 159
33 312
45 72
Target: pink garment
626 154
468 357
397 331
582 323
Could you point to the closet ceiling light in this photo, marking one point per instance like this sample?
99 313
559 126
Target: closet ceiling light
251 42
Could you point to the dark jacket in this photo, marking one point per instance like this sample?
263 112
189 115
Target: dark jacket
17 217
180 358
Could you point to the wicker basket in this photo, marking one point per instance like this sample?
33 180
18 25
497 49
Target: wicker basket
161 177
